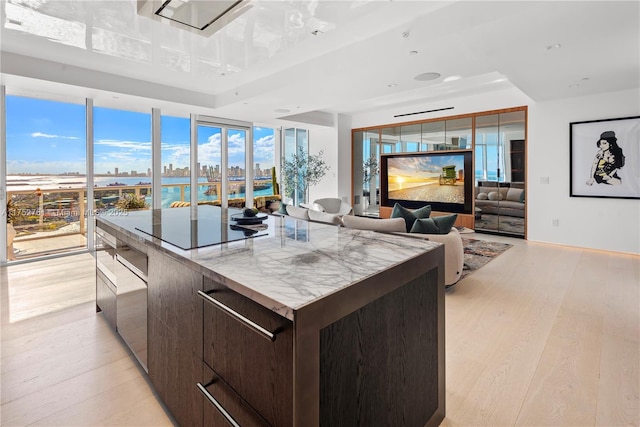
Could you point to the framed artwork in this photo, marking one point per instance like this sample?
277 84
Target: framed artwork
605 158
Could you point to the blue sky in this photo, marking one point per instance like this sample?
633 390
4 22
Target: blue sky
48 137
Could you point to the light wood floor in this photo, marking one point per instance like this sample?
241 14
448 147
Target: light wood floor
542 335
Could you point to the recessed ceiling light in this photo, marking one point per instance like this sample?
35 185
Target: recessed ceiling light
554 46
392 85
452 78
281 110
426 77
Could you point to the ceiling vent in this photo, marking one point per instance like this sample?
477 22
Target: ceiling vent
204 17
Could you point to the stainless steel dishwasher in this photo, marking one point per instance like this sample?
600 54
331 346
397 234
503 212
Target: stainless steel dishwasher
131 301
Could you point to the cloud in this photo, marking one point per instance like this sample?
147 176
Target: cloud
47 135
129 145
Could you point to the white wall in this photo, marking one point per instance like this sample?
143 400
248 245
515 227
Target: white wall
324 138
598 223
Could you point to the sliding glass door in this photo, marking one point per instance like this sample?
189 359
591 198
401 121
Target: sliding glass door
222 163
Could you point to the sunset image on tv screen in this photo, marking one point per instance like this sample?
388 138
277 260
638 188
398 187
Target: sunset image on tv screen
427 178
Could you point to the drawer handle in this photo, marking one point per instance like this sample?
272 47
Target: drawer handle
231 312
217 404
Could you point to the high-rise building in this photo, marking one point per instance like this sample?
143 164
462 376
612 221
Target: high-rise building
115 171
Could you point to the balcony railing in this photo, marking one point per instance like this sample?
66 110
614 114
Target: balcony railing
60 215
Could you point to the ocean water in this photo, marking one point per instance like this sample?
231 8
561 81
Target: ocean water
49 183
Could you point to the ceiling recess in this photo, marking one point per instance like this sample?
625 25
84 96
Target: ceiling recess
423 112
200 17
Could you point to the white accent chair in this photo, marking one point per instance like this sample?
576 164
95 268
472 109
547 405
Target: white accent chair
332 205
329 210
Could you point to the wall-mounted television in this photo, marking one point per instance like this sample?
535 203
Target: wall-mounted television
442 179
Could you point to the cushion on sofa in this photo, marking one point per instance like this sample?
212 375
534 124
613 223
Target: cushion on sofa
296 212
388 225
514 194
494 195
409 215
321 216
482 196
436 225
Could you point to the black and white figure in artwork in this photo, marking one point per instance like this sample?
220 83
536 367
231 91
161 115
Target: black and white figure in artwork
608 161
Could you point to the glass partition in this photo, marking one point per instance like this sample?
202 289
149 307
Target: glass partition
496 139
433 136
459 134
499 159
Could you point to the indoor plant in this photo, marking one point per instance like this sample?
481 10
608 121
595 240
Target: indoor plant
302 171
370 170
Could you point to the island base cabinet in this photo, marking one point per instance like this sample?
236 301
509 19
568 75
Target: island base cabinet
257 368
222 406
175 337
382 364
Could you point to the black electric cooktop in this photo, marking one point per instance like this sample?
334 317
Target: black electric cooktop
208 226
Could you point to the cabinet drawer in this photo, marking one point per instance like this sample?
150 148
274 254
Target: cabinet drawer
257 368
222 404
106 297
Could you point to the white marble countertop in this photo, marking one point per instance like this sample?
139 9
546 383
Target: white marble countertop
293 264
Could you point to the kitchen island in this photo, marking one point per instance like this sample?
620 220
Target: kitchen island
285 323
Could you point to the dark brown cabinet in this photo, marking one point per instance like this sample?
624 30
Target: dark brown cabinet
175 337
223 404
258 367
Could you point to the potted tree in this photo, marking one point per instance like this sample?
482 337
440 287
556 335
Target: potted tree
370 170
302 171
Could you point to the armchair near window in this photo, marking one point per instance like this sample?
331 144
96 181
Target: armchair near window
332 205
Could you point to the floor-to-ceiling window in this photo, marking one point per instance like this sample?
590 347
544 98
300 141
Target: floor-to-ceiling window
175 159
45 167
236 143
264 158
122 156
209 169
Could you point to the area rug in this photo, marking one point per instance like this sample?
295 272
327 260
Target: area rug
479 252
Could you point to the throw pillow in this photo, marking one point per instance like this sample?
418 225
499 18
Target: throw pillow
436 225
482 196
494 195
514 194
410 216
522 197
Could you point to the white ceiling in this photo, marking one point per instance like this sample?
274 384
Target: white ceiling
364 56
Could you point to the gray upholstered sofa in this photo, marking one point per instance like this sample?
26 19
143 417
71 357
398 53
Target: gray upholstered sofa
453 248
501 201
